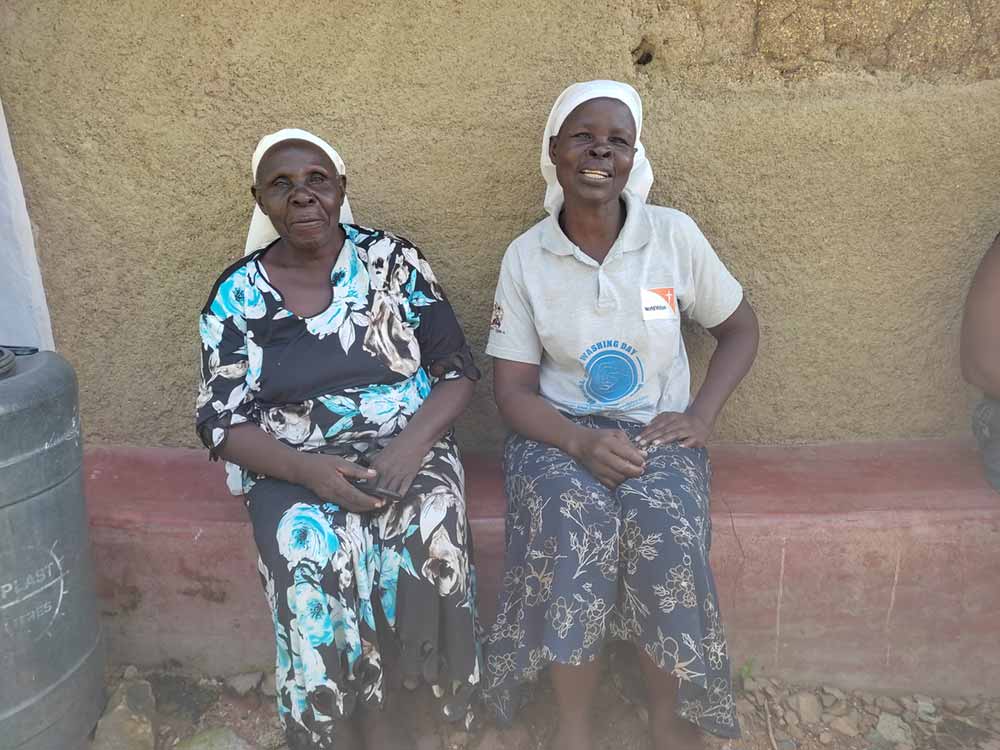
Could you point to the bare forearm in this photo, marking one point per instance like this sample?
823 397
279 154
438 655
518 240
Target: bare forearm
734 354
436 415
531 415
254 450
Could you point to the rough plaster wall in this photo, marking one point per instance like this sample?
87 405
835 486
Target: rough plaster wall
842 156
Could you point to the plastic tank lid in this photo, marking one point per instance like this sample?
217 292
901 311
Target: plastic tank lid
7 362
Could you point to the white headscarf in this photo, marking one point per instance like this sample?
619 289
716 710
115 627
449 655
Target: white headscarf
640 179
262 232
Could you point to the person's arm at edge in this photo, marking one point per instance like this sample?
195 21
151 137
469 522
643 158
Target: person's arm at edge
980 339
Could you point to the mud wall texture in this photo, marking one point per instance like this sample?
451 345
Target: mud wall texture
842 156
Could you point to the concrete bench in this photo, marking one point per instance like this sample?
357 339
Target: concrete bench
863 565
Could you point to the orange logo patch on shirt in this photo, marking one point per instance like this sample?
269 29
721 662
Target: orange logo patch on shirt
659 303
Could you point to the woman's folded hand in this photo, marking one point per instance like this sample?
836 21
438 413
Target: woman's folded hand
398 464
608 454
690 430
330 477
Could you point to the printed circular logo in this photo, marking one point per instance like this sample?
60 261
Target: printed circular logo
32 588
613 369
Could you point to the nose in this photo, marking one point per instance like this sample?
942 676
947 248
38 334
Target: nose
302 197
599 150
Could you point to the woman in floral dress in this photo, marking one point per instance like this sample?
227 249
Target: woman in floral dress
607 476
327 351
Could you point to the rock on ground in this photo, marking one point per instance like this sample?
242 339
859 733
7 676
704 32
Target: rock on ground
242 684
807 706
844 726
215 739
267 686
127 723
892 729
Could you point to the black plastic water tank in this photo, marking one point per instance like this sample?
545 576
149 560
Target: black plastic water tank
51 656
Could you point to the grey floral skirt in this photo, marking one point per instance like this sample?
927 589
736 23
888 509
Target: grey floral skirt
362 599
586 565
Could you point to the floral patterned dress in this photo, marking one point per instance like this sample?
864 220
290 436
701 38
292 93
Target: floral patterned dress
354 596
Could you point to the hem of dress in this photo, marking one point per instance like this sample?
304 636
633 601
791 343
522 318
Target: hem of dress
514 682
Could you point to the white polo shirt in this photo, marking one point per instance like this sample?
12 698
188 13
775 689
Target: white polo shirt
607 336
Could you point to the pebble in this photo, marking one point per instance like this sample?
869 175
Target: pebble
828 700
892 729
845 726
837 693
889 705
840 708
787 745
267 685
956 706
128 719
825 738
221 738
807 707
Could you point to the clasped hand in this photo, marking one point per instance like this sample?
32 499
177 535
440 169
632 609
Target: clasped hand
331 477
612 457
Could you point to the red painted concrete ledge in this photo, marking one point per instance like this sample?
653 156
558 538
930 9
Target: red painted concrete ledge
864 565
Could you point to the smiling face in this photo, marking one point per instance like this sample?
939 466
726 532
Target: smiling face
593 151
300 190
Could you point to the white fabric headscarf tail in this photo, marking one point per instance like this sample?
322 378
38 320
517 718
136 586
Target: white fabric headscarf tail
262 232
640 179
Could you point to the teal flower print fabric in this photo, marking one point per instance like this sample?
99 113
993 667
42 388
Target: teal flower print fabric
354 597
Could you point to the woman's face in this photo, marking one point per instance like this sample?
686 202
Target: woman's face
593 151
299 189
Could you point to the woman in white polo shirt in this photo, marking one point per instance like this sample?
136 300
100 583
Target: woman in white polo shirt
606 472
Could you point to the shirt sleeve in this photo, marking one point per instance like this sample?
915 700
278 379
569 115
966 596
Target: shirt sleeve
513 334
714 293
444 351
224 395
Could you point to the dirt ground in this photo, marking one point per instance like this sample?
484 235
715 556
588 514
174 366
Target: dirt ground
773 715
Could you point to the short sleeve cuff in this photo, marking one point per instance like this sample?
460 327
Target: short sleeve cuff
514 354
728 302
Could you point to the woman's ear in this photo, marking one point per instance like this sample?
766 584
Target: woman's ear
256 198
552 147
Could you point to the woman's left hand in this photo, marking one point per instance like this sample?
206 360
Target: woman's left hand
690 430
398 465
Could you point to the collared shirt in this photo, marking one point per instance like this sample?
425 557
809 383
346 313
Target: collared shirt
607 336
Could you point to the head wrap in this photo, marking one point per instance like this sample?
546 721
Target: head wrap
640 179
262 232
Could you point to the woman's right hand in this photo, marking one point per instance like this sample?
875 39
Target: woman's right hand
608 454
330 478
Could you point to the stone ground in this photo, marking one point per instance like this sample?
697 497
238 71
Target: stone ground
195 712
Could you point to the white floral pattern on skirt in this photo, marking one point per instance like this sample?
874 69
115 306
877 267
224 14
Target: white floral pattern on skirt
585 565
